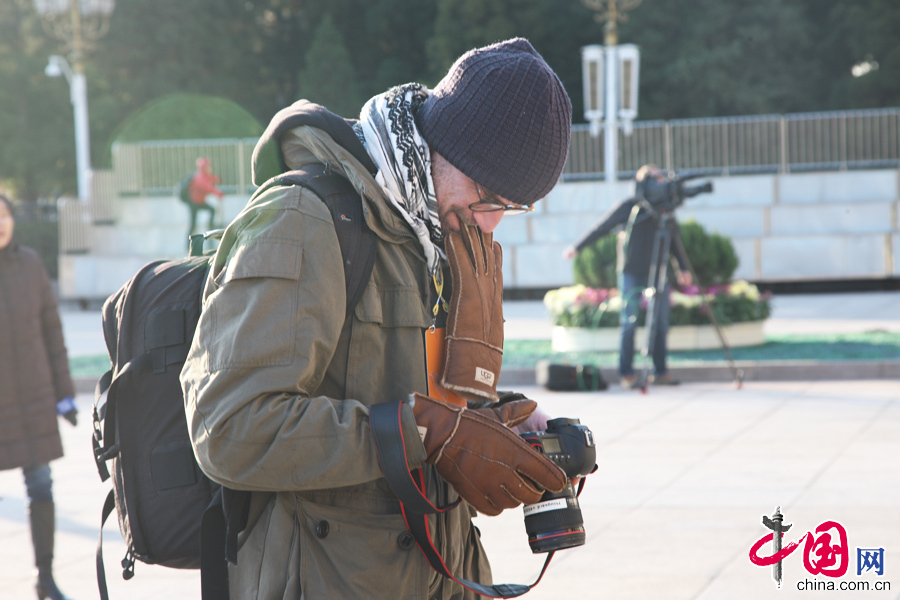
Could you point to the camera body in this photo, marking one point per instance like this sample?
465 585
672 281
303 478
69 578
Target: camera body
669 192
555 523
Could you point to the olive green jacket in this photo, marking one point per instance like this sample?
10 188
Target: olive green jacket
278 384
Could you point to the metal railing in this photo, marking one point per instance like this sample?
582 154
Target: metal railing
157 167
74 226
823 141
103 197
715 146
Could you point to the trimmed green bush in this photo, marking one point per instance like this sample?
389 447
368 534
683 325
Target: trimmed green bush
711 254
595 266
187 116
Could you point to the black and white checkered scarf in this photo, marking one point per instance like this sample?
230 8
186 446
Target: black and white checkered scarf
388 131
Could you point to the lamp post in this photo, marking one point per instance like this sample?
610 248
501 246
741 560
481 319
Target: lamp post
610 81
76 23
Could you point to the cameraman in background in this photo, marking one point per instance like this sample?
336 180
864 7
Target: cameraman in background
634 250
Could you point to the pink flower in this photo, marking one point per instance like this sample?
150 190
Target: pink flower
593 297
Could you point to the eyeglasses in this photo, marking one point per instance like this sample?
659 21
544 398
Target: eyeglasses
488 204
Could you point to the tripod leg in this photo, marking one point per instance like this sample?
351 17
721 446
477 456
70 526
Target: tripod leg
656 279
737 374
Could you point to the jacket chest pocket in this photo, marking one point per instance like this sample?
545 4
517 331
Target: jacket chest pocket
392 307
253 313
386 359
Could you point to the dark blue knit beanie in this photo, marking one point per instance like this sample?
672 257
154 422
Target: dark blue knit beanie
502 117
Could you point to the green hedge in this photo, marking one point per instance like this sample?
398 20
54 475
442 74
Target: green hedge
712 255
595 266
188 116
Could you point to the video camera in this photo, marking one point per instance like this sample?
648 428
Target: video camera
668 192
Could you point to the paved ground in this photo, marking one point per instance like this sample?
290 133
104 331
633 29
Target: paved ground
685 475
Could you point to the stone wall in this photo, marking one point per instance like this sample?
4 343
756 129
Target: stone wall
824 225
799 226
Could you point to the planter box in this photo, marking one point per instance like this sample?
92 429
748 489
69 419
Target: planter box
681 337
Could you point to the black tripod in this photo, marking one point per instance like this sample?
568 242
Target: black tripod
656 282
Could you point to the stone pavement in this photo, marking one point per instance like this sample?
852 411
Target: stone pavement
685 475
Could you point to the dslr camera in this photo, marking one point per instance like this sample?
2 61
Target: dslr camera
668 192
555 523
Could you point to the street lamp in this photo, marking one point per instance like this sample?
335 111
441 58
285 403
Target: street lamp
592 77
77 23
629 69
610 80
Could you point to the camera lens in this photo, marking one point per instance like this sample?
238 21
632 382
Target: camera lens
555 523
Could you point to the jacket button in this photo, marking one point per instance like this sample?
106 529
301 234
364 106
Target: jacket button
322 530
406 540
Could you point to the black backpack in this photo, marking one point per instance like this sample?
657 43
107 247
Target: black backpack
183 190
161 496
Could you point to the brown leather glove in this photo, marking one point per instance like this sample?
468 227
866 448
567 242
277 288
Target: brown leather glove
474 340
487 464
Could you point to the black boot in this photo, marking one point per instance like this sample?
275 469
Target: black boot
43 526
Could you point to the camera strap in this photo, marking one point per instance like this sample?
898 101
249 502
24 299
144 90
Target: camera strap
415 506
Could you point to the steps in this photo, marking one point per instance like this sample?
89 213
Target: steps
145 229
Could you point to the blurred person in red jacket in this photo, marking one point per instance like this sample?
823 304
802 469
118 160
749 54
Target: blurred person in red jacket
195 190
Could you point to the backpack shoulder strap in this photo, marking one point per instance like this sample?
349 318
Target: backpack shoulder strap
357 241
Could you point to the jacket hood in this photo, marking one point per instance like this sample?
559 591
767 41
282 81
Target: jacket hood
268 160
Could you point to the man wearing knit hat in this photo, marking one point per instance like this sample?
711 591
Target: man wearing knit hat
311 399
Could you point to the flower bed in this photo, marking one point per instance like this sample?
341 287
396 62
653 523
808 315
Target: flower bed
588 318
